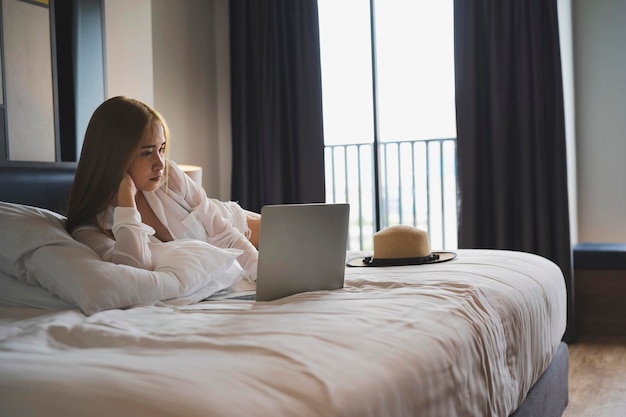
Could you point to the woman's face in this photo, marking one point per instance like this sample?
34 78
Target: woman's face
147 168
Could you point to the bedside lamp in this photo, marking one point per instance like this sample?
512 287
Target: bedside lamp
193 171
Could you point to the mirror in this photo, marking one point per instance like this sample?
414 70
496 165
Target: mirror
53 66
29 113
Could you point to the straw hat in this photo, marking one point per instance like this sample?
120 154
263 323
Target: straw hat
402 245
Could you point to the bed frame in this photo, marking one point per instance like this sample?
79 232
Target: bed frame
48 187
45 187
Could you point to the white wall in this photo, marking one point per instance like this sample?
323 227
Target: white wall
164 52
128 48
600 83
188 88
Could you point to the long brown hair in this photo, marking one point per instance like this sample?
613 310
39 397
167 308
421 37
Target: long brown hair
113 138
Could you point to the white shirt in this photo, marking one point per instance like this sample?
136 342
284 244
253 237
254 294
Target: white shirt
185 210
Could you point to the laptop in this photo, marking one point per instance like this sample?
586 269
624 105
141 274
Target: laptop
302 248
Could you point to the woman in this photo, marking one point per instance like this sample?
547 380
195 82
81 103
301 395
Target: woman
127 197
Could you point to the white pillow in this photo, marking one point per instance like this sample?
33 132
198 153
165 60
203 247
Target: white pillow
16 293
36 249
23 230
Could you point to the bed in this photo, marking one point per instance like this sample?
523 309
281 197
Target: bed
480 335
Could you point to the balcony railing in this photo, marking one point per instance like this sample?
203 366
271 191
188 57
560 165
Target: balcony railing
417 186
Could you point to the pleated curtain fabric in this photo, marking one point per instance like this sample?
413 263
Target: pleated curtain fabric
276 103
512 173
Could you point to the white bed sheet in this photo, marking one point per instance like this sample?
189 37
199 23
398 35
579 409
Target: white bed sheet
467 337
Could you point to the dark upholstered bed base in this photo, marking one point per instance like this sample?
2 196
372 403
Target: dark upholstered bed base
48 187
549 396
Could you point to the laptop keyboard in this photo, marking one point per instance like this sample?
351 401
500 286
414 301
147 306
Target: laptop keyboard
244 297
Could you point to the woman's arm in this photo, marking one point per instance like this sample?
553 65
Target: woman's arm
253 220
225 223
130 246
131 235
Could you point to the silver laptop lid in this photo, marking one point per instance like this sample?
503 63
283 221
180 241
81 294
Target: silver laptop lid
302 248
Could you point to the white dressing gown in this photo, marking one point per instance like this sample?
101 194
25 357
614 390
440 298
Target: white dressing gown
185 210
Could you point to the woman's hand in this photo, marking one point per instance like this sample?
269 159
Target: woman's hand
126 192
254 224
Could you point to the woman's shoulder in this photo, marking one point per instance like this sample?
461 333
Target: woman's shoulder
174 169
175 176
179 185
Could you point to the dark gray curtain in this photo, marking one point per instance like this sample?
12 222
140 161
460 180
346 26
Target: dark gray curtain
278 143
512 174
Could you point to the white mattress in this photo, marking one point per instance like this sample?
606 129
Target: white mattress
466 337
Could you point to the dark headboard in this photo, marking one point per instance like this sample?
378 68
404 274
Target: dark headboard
46 187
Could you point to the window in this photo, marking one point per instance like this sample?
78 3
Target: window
388 97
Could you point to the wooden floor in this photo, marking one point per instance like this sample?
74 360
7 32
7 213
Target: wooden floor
597 378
